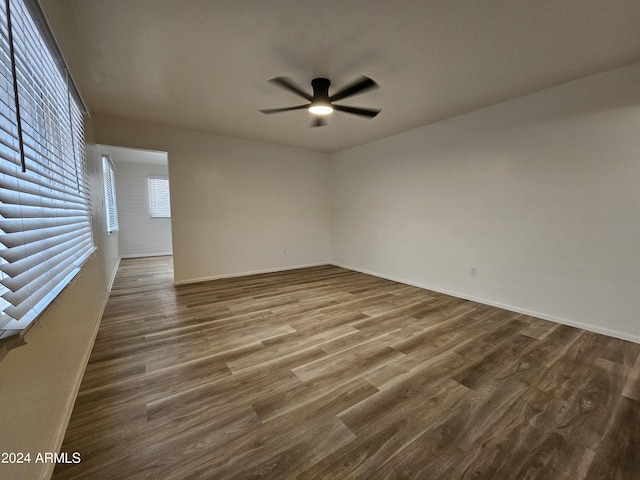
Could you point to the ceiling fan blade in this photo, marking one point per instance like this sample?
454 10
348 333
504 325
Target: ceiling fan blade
361 85
319 122
287 84
285 109
364 112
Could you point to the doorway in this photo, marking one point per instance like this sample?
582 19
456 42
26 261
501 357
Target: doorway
142 193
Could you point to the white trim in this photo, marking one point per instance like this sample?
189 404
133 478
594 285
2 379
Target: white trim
533 313
140 255
244 274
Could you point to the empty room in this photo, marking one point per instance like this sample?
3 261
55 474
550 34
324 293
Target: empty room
320 240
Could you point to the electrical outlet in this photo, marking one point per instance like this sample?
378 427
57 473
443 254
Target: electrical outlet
474 271
284 251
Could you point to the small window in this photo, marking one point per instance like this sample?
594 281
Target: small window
159 197
109 178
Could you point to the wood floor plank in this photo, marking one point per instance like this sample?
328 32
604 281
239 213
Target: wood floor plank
632 382
617 455
323 372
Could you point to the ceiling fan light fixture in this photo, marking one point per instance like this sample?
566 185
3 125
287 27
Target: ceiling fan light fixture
321 109
320 102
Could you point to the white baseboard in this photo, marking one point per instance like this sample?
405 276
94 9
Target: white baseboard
141 255
244 274
512 308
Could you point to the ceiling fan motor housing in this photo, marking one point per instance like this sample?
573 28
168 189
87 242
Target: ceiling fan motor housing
321 90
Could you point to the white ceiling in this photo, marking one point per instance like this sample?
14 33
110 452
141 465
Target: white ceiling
204 65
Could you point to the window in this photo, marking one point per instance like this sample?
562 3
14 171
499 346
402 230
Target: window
159 197
109 178
45 222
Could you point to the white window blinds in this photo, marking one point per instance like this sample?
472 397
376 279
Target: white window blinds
109 176
45 222
159 196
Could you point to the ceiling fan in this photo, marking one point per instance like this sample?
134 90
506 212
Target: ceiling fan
321 103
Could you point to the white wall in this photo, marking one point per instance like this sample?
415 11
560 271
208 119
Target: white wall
140 235
541 194
236 205
40 380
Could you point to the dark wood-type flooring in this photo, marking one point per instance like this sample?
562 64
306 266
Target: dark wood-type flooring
327 373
